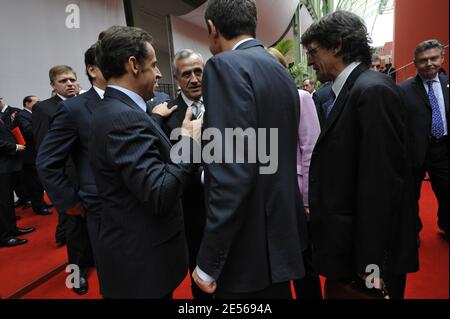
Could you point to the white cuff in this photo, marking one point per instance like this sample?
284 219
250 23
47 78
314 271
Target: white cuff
204 276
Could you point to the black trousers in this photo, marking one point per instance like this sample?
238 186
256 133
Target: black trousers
274 291
18 187
437 165
79 249
93 228
308 287
7 210
32 186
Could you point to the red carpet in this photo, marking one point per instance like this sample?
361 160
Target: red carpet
431 281
19 266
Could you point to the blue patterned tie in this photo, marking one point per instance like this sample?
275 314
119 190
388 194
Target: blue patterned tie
437 126
329 103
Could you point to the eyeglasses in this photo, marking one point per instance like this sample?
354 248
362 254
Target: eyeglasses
311 52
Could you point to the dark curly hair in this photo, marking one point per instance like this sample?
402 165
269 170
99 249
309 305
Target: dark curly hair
116 45
345 29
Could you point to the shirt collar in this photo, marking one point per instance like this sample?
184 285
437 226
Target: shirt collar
61 97
188 101
99 91
240 42
338 84
28 110
4 108
132 95
435 79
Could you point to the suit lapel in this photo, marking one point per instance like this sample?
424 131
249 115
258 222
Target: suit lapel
420 89
341 100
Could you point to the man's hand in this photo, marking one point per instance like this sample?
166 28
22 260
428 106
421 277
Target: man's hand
77 210
191 128
308 215
208 287
13 117
163 110
20 148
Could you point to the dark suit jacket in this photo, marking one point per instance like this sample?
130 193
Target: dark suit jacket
6 116
419 112
10 160
255 231
320 98
360 182
23 119
69 137
193 194
160 97
42 116
142 249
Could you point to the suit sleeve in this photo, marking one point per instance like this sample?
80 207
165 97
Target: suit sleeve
230 103
7 148
381 172
133 147
25 125
40 125
52 157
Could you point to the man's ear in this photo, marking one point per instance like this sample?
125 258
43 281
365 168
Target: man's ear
91 71
133 65
337 49
212 28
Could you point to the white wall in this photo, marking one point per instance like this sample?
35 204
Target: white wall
34 37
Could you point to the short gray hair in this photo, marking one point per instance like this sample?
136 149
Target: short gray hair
427 45
376 57
311 81
183 54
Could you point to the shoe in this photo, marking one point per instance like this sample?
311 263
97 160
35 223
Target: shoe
83 289
23 231
22 203
18 217
60 241
13 242
43 211
48 205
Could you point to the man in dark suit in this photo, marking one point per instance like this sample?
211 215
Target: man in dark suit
8 114
68 137
360 187
29 177
188 72
426 97
10 161
256 230
63 81
142 249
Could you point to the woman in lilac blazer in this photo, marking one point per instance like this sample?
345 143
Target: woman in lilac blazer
308 133
308 287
